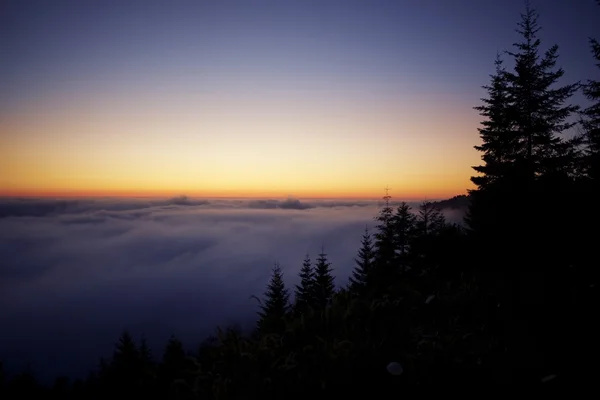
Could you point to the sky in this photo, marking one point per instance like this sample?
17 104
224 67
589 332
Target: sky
77 272
253 98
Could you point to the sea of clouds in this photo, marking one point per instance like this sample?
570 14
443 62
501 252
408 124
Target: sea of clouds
75 273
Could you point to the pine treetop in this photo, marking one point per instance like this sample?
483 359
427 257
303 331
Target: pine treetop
126 346
303 293
324 286
276 301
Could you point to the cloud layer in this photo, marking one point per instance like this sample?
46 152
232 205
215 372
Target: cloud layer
75 273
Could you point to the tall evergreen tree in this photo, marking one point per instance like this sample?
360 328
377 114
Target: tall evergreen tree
501 150
324 287
174 358
429 223
276 302
384 266
510 208
304 291
126 353
404 231
174 365
539 109
499 141
525 113
125 371
359 280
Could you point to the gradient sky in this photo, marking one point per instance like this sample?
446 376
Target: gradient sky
257 98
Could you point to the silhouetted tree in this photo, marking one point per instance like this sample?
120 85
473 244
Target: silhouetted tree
539 109
384 269
173 365
125 364
360 278
324 281
404 232
509 213
126 351
525 112
126 356
501 150
276 302
429 223
429 220
499 140
304 291
175 372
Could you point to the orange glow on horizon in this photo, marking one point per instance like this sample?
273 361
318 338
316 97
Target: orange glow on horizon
343 149
357 195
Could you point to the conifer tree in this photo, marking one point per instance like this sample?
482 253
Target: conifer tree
384 266
499 141
304 291
359 280
525 113
429 220
324 287
174 355
404 231
538 106
501 150
174 364
429 223
276 302
125 365
510 208
126 353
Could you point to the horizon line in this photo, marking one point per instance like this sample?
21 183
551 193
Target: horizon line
217 197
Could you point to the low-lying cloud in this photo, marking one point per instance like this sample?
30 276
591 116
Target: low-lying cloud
75 273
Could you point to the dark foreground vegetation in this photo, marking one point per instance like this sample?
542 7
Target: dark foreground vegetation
509 298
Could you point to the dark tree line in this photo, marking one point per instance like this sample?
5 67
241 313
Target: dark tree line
509 298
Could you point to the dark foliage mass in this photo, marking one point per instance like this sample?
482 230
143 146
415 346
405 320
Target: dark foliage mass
510 298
